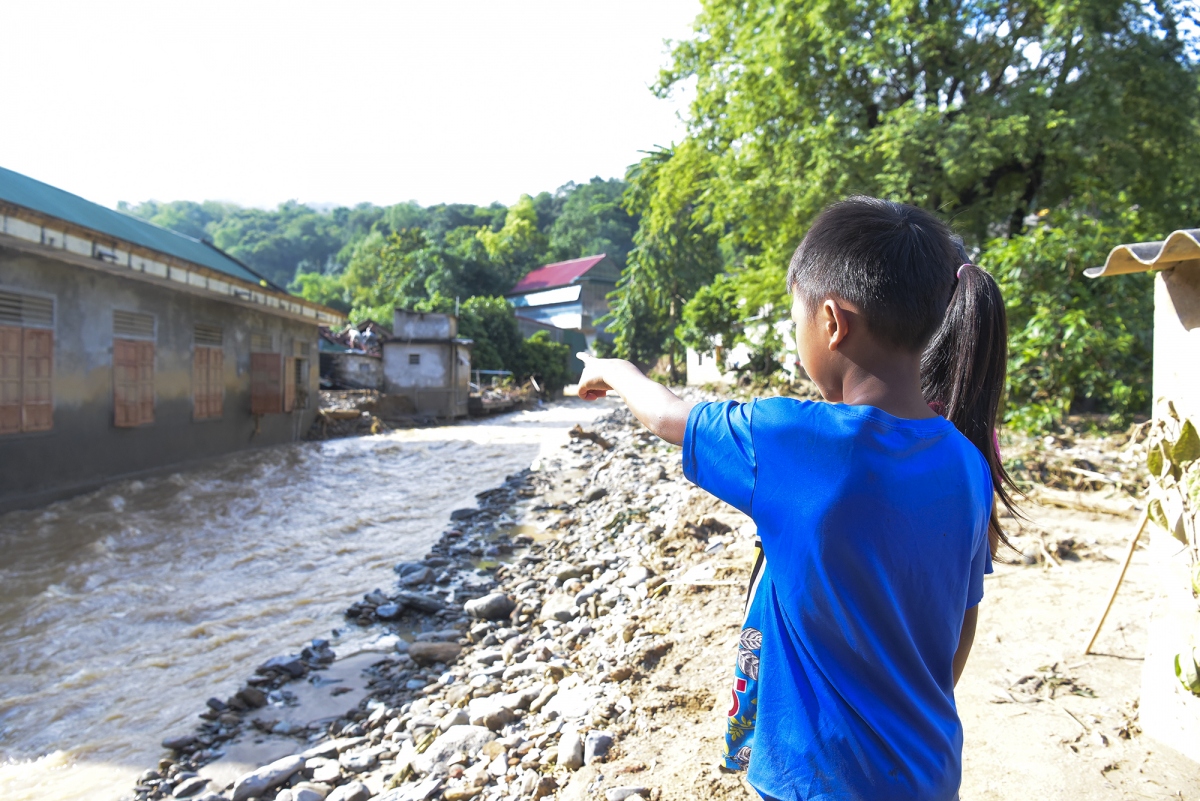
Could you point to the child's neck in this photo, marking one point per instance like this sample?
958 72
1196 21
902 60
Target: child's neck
892 384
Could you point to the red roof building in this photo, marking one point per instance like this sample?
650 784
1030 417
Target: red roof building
571 295
559 274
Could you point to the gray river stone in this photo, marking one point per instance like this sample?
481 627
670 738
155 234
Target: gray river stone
596 745
268 777
419 602
388 611
179 743
189 787
621 793
558 606
292 665
496 606
420 576
354 791
570 750
467 739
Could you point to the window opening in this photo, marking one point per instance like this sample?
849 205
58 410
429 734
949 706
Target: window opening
266 376
26 363
132 325
133 383
414 358
208 373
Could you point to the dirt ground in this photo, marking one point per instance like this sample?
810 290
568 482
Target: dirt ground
1042 721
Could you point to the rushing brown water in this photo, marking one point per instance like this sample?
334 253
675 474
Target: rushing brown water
122 610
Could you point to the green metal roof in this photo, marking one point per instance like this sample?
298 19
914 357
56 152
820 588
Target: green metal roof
21 190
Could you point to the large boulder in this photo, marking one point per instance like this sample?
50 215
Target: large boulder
467 739
266 778
496 606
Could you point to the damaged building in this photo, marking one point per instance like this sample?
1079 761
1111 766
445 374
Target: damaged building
125 347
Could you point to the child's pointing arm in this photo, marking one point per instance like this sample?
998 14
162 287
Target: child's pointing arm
659 409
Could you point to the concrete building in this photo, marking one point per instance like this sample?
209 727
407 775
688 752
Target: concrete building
1167 712
125 347
426 361
571 295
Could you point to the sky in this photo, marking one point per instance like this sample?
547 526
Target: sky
334 103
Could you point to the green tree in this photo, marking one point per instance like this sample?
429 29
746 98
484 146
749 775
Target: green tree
988 113
518 245
493 325
279 244
712 319
593 220
676 251
1075 344
545 360
328 290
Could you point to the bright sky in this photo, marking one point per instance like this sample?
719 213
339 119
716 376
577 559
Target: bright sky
261 102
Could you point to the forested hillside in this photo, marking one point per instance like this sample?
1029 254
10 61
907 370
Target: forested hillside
367 259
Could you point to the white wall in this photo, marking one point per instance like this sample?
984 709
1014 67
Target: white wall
422 325
432 372
1177 337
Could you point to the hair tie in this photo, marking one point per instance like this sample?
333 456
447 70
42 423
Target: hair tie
960 269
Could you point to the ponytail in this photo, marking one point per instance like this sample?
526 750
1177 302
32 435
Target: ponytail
963 371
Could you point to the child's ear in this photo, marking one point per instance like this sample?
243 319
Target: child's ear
836 323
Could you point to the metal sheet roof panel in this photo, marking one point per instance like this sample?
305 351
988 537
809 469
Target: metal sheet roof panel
21 190
554 275
1140 257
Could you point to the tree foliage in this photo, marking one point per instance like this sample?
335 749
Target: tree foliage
985 112
369 259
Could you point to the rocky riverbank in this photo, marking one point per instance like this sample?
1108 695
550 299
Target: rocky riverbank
534 624
573 636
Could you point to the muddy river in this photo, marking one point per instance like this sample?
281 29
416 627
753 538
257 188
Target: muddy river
121 611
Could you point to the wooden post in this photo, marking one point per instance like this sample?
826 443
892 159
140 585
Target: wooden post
1112 596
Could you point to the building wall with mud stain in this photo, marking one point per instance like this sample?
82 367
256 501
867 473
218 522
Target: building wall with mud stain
88 411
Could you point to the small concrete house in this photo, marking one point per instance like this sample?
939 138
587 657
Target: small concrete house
125 347
571 295
426 361
1166 711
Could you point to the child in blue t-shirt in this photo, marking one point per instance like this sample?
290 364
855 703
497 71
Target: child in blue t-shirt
874 511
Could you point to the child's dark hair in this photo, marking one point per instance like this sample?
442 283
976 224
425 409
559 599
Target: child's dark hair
903 268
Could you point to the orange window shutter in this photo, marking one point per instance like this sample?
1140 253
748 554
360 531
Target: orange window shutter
145 383
10 379
265 383
124 383
216 381
199 383
38 380
289 385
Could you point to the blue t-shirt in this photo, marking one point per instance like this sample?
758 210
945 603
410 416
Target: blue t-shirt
874 532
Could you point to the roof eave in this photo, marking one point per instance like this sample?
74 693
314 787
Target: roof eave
1141 257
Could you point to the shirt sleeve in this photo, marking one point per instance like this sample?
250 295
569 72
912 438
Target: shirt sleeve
981 564
718 451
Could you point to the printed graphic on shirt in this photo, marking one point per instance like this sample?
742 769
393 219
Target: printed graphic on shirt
739 730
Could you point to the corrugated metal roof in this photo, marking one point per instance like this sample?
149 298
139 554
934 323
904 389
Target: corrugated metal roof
21 190
553 275
1140 257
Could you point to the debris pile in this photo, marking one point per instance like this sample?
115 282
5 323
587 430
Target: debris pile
1113 466
541 613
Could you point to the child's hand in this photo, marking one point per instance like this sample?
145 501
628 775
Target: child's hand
592 384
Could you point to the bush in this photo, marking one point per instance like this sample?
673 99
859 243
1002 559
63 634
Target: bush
545 360
1075 344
